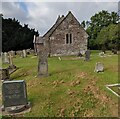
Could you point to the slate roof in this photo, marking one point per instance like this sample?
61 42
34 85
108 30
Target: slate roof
57 23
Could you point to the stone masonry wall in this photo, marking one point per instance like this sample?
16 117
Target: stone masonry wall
57 42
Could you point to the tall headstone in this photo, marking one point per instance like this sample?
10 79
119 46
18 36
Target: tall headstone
2 56
99 67
43 64
14 95
10 58
87 55
24 54
6 58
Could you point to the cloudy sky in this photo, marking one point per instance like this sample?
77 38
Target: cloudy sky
42 15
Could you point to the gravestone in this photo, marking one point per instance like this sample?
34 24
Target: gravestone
12 66
32 52
42 64
82 51
6 58
24 54
28 51
12 53
4 74
18 52
114 51
102 54
14 96
99 67
87 55
2 56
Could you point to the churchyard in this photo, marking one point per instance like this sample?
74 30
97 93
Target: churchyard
72 88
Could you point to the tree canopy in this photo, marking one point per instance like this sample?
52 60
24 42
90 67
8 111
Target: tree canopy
108 37
99 22
15 36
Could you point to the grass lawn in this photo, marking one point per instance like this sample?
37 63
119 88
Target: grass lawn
116 89
72 88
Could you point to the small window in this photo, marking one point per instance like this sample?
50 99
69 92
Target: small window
69 38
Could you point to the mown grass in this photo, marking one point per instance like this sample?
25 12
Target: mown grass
58 95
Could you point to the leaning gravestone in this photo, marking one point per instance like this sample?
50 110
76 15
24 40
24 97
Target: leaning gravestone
99 67
87 55
14 96
4 74
42 64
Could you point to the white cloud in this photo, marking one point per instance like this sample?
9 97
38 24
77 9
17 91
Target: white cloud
42 15
61 1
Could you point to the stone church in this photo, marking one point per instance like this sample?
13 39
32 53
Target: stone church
65 37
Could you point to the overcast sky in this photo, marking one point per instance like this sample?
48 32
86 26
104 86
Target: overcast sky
42 15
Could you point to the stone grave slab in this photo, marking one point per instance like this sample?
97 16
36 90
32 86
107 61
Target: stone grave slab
14 96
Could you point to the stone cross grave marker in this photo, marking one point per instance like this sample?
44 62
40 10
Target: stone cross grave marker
42 64
12 66
11 60
12 53
87 55
14 96
99 67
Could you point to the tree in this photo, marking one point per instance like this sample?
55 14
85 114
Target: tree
97 22
108 37
15 36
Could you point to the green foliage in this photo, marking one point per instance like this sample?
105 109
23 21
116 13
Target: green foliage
15 36
83 24
98 22
108 37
